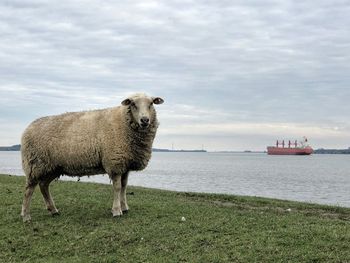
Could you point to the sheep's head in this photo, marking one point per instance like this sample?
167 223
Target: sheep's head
141 109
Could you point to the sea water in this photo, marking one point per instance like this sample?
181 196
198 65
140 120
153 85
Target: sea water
323 179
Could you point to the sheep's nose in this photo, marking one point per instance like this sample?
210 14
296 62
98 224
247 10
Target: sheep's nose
144 120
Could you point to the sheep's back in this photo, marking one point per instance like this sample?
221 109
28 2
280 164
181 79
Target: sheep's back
69 142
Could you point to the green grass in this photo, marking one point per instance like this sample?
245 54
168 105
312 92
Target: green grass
218 228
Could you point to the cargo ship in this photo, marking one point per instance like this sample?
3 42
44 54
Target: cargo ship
290 148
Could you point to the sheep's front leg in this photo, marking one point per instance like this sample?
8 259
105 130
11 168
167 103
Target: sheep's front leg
117 185
123 203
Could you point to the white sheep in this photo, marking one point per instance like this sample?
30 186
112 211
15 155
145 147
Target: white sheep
113 141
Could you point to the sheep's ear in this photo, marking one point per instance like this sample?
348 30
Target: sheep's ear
126 102
157 100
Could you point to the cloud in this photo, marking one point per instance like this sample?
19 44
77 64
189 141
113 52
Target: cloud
217 63
182 120
272 129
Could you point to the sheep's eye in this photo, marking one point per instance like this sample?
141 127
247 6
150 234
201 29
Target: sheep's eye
134 105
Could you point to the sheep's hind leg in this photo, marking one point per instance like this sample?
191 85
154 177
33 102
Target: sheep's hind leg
44 188
116 208
30 187
123 203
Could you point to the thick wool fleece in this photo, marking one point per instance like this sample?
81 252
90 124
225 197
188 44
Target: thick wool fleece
86 143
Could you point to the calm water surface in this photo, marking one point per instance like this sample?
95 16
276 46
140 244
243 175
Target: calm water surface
323 179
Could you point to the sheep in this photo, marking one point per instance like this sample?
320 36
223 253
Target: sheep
113 140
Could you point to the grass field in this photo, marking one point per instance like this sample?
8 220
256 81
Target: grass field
217 228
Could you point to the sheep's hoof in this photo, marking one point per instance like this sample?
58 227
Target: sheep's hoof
117 216
26 219
55 214
125 212
117 213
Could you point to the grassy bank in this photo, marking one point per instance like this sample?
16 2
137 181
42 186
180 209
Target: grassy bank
218 228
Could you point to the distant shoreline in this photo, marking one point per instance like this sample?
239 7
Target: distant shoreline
168 150
17 147
332 151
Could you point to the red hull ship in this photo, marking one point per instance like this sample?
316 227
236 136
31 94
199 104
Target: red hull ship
290 149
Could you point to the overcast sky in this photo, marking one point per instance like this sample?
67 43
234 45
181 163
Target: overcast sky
234 75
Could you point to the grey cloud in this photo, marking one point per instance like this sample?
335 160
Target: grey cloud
252 61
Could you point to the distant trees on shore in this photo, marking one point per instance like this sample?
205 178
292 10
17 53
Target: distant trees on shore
332 151
16 147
